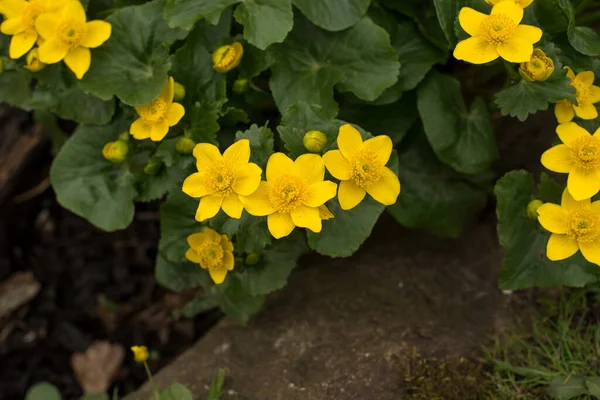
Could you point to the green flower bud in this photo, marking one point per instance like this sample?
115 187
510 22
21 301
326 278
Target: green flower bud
532 208
185 145
252 259
241 86
314 141
179 92
124 137
115 152
152 167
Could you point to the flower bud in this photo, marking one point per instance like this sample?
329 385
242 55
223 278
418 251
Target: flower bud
179 92
124 137
185 145
152 167
532 208
252 259
226 58
539 68
33 62
140 353
314 141
241 86
115 152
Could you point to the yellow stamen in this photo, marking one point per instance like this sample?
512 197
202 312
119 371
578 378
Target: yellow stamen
586 153
365 169
287 193
155 111
498 28
219 177
584 225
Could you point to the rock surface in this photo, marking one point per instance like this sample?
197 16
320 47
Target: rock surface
343 329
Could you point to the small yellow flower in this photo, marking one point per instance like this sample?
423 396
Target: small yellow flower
521 3
539 68
20 21
532 208
314 141
140 353
292 194
115 152
67 35
586 95
496 35
226 58
213 252
33 62
157 116
222 179
361 168
575 225
578 156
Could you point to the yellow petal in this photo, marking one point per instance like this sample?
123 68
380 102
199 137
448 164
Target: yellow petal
280 224
570 73
586 111
21 43
510 9
12 26
337 165
558 159
349 141
320 192
564 111
12 8
226 244
381 146
98 32
75 10
47 25
531 34
79 60
387 189
569 203
591 251
553 217
212 235
583 184
594 95
159 130
53 51
209 207
206 154
228 260
279 164
238 153
470 20
218 275
193 256
476 50
311 167
595 206
570 132
233 206
247 179
194 185
307 217
350 195
175 113
324 213
168 91
258 203
196 240
140 130
560 247
586 78
516 49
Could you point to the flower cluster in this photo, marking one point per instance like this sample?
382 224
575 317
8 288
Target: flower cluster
60 29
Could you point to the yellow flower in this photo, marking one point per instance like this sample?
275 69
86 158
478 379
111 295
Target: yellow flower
213 252
575 225
292 194
226 58
33 62
140 353
521 3
115 152
578 156
539 68
314 141
67 35
361 168
496 35
586 95
222 179
157 116
20 21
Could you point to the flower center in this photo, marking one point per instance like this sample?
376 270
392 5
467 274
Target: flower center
72 32
586 153
582 93
30 13
211 255
584 225
155 111
287 193
219 178
498 28
365 169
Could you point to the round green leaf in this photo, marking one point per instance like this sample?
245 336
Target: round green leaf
265 21
333 15
177 222
184 13
585 40
43 391
176 391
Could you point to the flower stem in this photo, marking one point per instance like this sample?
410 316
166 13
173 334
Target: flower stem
152 383
512 74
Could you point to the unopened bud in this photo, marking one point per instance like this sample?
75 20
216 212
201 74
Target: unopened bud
185 145
115 152
314 141
538 68
241 86
33 62
179 92
252 259
532 208
152 167
227 57
124 137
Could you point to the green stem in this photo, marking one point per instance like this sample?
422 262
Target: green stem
152 383
512 74
588 18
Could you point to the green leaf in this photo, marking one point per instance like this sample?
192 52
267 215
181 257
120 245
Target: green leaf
554 16
72 103
154 187
203 122
184 13
89 185
525 263
447 13
177 276
333 15
43 391
251 233
585 40
235 301
177 222
175 391
51 129
593 386
434 197
198 305
312 61
95 396
265 21
15 88
261 143
134 63
254 61
567 387
463 139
